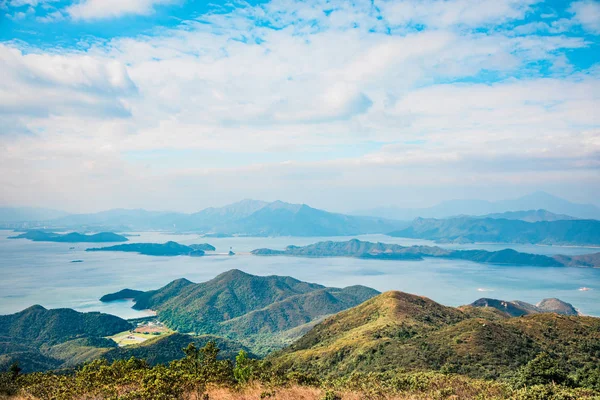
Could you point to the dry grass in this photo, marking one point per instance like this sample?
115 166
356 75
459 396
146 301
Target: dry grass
306 393
283 393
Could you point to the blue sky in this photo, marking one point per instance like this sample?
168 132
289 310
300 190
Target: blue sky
182 104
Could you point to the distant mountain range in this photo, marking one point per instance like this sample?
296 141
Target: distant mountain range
529 216
489 230
262 313
451 208
383 251
247 217
397 330
259 218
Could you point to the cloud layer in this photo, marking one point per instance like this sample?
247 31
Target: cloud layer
343 105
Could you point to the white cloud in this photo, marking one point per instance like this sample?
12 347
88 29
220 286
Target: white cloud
101 9
440 13
42 83
587 14
231 104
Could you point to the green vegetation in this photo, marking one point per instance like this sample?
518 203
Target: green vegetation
166 348
391 346
383 251
156 249
263 313
41 326
471 230
202 374
42 339
73 237
398 330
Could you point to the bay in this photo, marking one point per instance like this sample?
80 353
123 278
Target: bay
43 272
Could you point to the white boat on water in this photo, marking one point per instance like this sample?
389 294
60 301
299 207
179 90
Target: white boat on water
584 289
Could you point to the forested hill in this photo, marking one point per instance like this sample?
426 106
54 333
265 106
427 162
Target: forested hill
30 336
39 325
383 251
261 312
399 330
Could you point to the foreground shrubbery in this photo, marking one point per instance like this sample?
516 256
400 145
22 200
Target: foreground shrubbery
200 375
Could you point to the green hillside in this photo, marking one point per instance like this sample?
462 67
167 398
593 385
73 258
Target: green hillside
41 326
398 330
165 349
251 309
41 339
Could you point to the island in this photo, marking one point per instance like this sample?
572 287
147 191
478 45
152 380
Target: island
203 247
73 237
383 251
125 294
158 249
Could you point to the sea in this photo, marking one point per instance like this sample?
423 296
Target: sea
44 272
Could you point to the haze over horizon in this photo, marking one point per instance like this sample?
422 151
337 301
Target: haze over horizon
181 105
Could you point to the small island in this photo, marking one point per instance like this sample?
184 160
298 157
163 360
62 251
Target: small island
383 251
73 237
160 249
203 247
125 294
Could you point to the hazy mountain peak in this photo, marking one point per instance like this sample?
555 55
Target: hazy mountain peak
535 201
278 204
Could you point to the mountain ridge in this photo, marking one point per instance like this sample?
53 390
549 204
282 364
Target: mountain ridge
244 307
449 208
397 330
246 217
490 230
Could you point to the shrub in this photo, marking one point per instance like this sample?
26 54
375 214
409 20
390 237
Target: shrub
542 370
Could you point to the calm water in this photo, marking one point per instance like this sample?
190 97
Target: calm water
42 273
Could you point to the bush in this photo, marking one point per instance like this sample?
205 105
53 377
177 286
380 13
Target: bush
8 385
331 395
542 370
552 392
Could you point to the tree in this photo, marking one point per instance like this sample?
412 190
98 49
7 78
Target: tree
15 370
543 369
243 368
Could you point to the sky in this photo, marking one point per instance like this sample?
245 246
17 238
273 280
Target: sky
343 105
